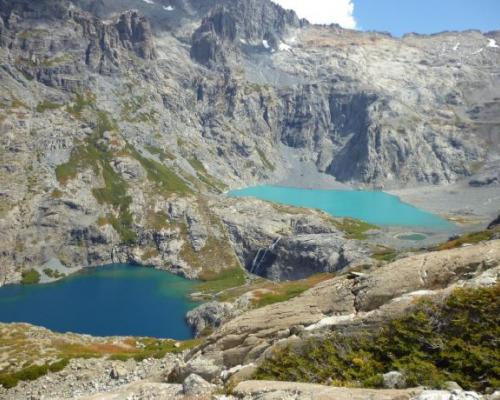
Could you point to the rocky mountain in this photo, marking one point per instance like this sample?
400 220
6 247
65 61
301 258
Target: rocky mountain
123 121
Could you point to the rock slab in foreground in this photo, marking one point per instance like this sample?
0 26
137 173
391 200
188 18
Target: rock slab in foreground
267 390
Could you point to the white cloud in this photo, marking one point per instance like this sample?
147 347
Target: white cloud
323 11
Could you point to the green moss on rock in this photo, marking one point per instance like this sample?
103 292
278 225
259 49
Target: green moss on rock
92 154
166 180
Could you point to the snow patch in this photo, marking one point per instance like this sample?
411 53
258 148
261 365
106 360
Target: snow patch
243 41
418 293
284 47
265 43
492 43
455 48
479 51
148 1
445 395
330 321
168 8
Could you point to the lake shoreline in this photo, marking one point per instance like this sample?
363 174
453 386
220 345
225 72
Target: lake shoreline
104 302
375 207
471 208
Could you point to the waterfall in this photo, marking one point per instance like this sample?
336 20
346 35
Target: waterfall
255 261
261 256
275 243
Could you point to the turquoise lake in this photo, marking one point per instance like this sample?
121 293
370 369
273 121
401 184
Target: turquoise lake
377 208
116 300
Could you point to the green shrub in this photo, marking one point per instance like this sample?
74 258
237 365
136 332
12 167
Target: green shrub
288 292
31 373
30 277
162 154
81 102
8 380
52 273
165 179
16 103
353 228
91 154
226 279
197 165
265 161
434 343
47 105
156 348
385 254
58 365
468 238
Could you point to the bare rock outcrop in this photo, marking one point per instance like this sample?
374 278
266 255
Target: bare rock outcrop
212 314
344 303
268 390
282 243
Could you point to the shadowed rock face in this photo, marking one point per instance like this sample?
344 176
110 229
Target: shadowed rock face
210 38
135 34
495 223
46 9
251 21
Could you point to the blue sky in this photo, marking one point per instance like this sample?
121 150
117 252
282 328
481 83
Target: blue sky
401 16
426 16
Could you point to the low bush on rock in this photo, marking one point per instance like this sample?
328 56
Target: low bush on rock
468 239
30 277
457 340
31 373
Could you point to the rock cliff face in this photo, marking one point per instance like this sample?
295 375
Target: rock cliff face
288 245
122 122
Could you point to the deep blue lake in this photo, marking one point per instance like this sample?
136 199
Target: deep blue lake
116 300
377 208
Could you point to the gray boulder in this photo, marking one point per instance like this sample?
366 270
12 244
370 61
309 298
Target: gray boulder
394 380
118 372
195 385
495 395
211 314
452 386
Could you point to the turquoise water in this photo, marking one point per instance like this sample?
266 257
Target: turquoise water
119 300
377 208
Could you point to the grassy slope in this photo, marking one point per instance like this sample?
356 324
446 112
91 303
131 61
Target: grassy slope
34 354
